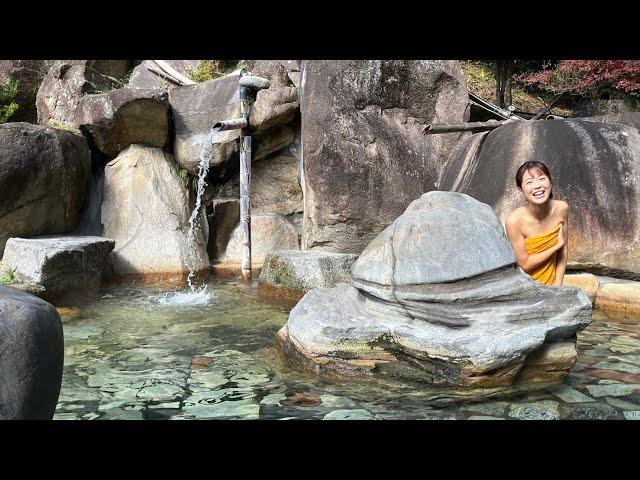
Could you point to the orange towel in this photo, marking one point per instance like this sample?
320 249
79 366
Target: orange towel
546 272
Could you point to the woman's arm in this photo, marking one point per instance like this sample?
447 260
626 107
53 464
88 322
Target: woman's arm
523 259
563 254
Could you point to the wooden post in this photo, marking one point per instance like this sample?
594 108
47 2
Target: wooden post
245 205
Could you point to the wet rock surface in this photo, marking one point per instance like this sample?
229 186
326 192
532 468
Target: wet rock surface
461 316
66 267
44 174
31 355
592 162
196 109
146 209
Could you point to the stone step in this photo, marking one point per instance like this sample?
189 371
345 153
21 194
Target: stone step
66 266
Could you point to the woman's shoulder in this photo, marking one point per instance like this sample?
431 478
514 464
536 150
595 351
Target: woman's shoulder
515 217
560 206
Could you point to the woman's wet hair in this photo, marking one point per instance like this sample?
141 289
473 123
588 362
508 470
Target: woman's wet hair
532 165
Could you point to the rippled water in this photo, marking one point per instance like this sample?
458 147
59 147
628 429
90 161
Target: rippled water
150 352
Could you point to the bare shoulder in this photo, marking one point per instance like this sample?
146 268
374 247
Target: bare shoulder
515 218
561 207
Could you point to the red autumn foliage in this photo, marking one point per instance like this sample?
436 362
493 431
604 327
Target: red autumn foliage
586 77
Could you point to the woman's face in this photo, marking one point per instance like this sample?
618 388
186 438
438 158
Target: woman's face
536 186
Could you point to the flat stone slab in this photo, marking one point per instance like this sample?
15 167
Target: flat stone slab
586 282
619 298
295 272
61 264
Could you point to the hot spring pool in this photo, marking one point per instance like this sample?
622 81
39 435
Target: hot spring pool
154 352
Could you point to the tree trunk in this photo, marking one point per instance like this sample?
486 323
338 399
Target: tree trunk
499 65
504 71
507 83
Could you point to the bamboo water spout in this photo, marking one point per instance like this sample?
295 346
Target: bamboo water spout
249 85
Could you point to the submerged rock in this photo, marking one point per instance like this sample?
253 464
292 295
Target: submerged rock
593 162
31 356
437 298
44 174
146 210
67 267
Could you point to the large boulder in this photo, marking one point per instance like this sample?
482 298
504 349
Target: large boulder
142 77
365 157
29 74
436 297
146 209
589 107
196 109
116 119
269 232
44 174
68 80
69 268
593 167
278 104
31 355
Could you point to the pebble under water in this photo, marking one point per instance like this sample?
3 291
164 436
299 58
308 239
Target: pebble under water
147 352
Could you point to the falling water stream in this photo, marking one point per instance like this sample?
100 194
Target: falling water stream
195 295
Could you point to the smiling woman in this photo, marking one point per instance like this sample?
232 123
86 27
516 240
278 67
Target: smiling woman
538 231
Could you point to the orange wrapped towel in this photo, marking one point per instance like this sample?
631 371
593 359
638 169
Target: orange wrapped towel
546 272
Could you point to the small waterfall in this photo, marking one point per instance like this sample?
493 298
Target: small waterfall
194 220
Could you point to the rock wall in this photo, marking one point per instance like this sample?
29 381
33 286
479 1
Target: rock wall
146 210
364 155
44 174
29 74
68 80
594 167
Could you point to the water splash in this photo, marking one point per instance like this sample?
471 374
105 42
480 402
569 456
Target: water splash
192 298
194 220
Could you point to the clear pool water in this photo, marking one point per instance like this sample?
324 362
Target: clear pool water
153 352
